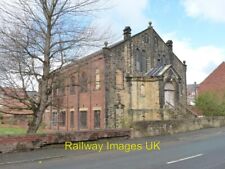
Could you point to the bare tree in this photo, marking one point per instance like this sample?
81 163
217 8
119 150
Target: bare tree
38 37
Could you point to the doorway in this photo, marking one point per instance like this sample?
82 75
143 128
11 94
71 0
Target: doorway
169 95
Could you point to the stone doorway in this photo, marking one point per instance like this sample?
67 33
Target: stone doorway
169 95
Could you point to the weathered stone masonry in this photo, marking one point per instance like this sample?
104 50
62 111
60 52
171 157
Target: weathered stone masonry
134 57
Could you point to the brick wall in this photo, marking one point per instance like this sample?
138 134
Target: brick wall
29 142
88 100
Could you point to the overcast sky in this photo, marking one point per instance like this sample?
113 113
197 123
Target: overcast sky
197 28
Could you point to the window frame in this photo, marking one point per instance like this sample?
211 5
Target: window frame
81 126
99 119
62 118
72 119
97 79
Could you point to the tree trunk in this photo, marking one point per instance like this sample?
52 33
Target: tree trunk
35 123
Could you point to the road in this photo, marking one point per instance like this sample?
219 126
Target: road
203 149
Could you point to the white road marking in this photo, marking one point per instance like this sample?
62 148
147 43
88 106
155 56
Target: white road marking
183 159
31 160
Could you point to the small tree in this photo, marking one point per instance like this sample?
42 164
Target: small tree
38 37
211 104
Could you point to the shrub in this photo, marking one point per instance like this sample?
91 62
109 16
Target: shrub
211 104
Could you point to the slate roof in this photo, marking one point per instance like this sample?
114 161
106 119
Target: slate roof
158 71
215 82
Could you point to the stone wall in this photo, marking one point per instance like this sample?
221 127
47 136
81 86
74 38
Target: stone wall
125 57
29 142
154 128
149 99
136 115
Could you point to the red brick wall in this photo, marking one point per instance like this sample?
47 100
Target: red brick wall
17 143
89 100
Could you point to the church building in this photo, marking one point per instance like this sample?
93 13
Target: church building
135 79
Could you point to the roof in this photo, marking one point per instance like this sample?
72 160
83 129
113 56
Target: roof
158 71
98 52
215 82
116 44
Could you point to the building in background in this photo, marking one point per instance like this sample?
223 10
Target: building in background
135 79
192 94
11 110
215 82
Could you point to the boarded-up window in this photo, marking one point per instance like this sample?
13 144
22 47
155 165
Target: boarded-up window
83 120
141 62
138 63
97 79
72 119
169 95
97 118
119 79
62 118
142 91
72 85
54 118
83 82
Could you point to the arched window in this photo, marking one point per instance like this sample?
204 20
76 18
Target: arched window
83 82
138 63
119 79
97 79
141 61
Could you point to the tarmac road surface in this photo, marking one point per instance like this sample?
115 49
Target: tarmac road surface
203 149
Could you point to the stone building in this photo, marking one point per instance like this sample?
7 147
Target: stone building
132 80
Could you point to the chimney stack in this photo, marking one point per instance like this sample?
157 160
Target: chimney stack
127 32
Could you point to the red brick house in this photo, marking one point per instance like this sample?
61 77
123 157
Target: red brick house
134 79
215 82
11 110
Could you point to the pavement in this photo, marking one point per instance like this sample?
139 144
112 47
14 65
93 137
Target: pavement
202 149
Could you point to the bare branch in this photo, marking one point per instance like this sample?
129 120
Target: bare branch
38 37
